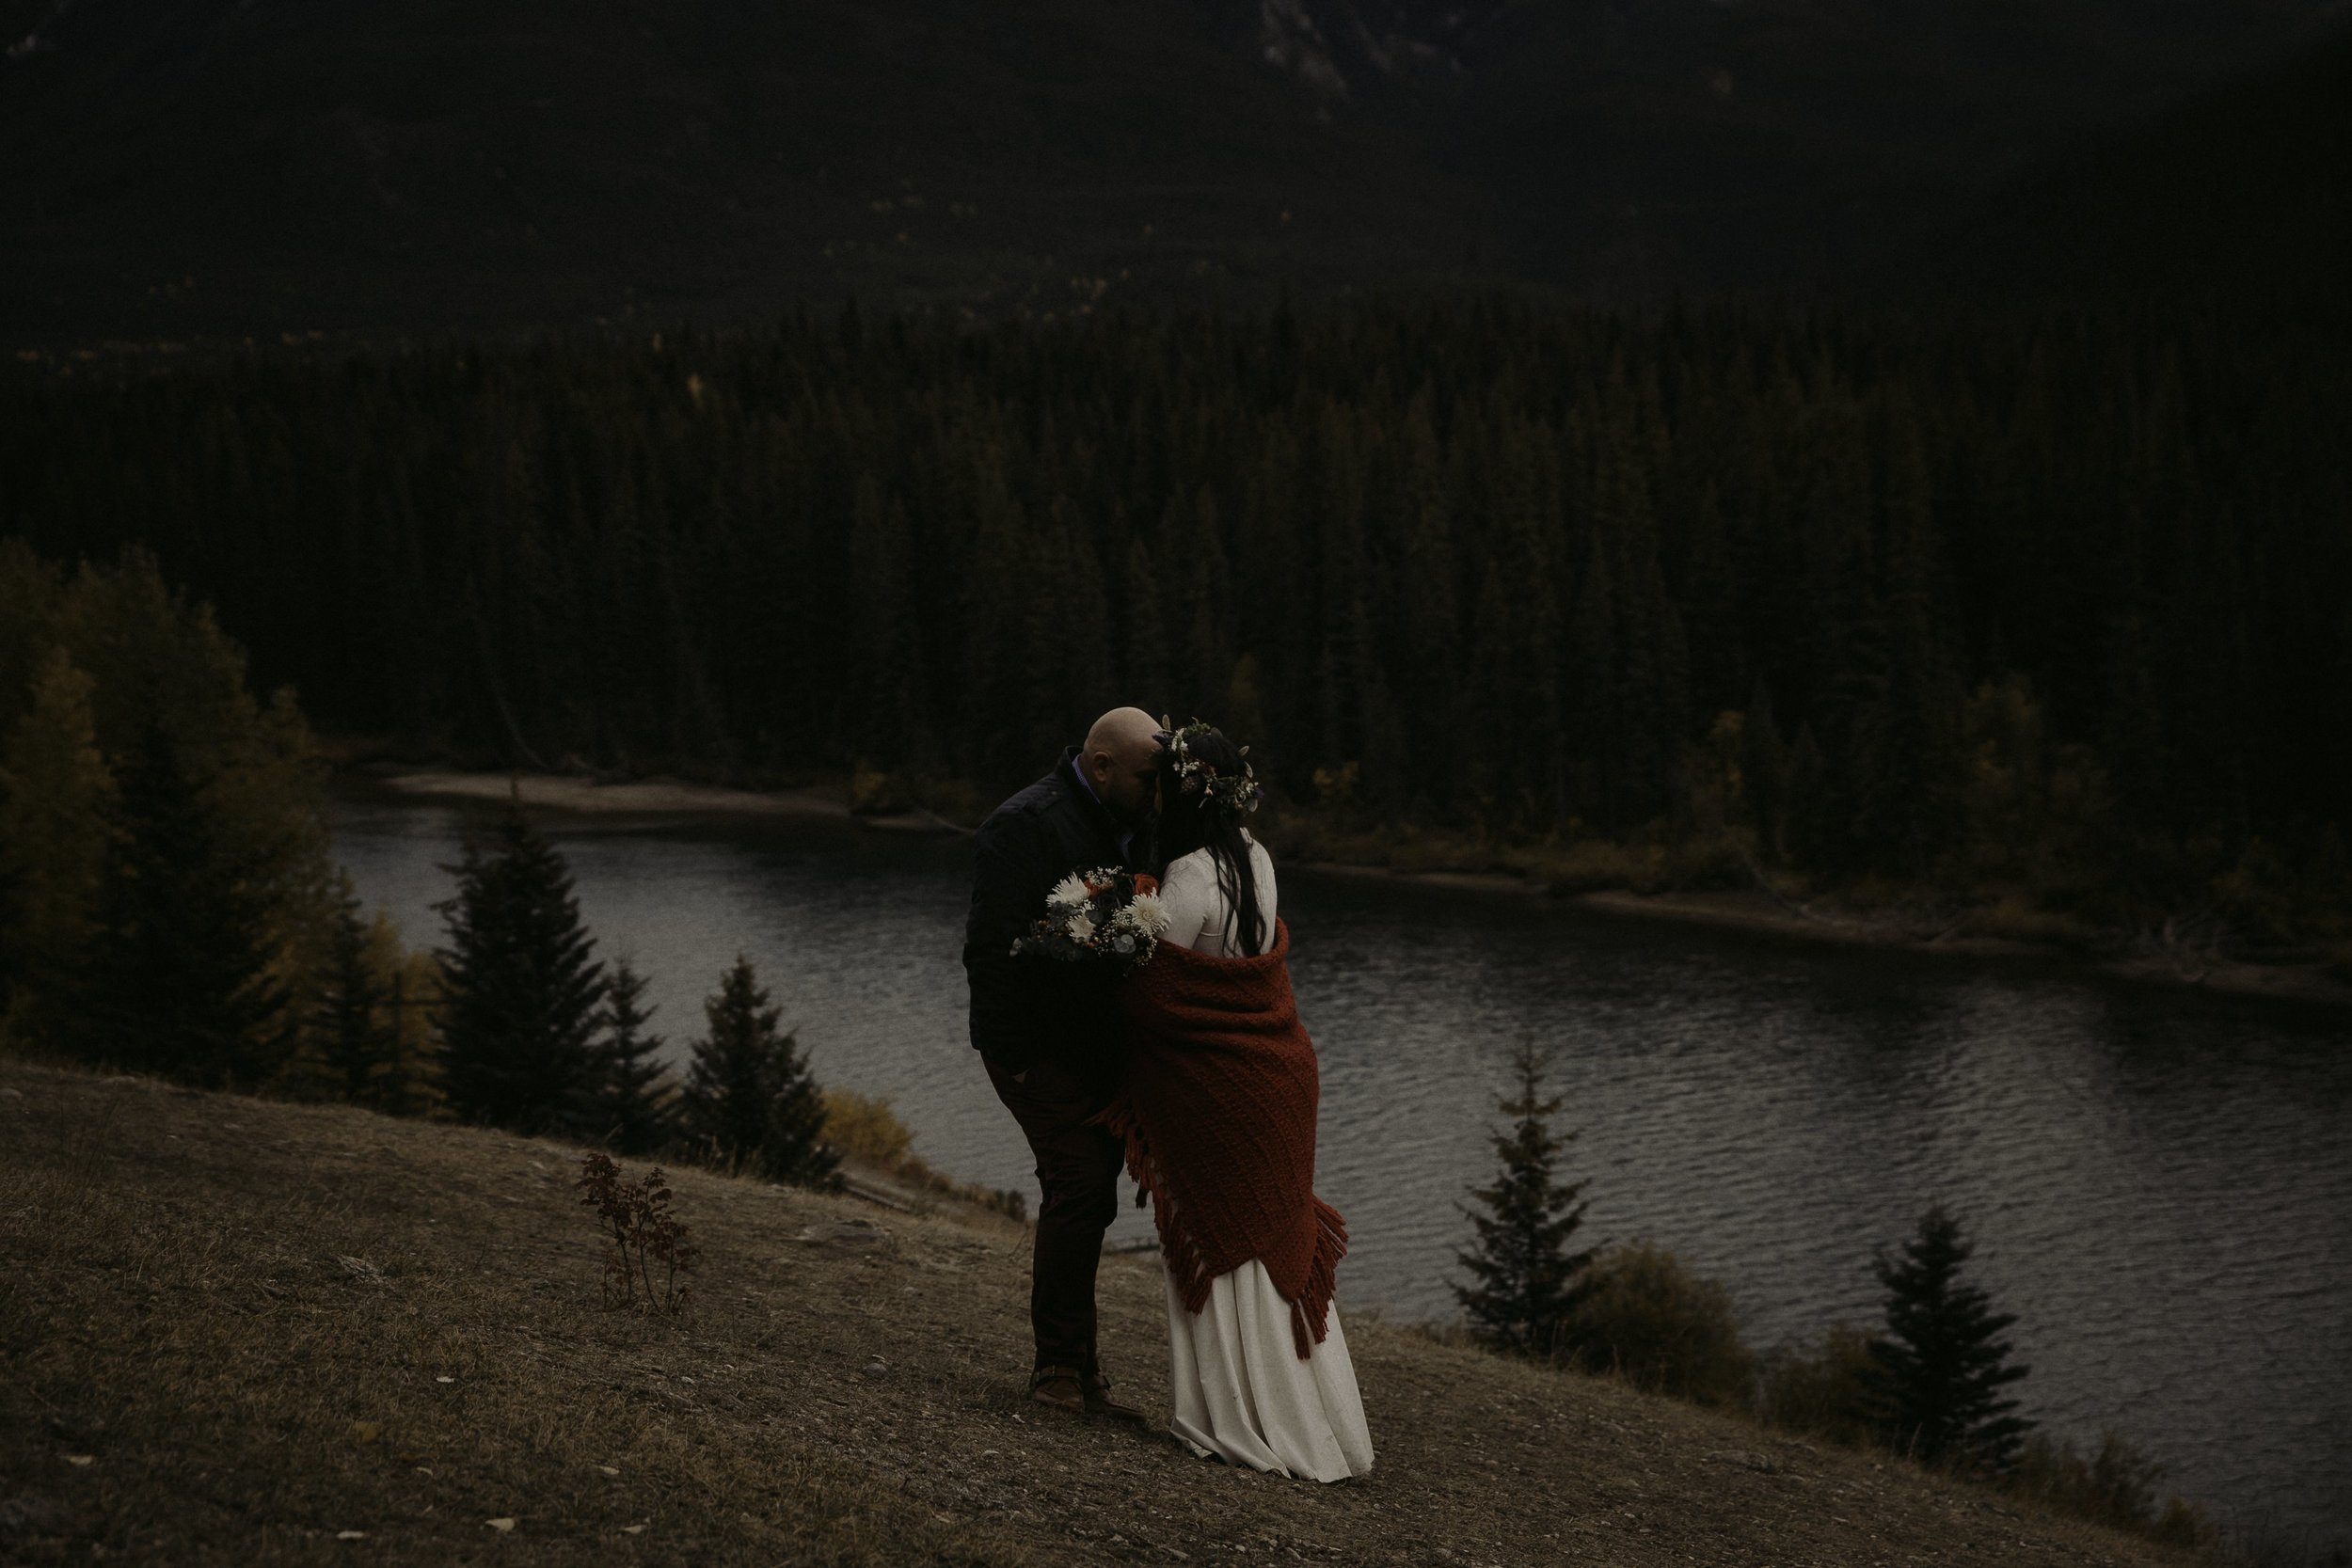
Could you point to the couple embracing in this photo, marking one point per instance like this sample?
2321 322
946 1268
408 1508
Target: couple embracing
1191 1072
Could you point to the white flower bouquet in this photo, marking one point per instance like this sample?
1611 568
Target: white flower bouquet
1102 914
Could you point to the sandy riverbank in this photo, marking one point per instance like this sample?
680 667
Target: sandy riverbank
648 797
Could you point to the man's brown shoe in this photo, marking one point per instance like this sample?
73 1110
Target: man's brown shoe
1061 1387
1099 1401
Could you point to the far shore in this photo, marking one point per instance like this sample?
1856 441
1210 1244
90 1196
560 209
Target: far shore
1750 911
656 796
1758 912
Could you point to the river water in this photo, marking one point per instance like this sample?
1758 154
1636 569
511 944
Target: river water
2158 1183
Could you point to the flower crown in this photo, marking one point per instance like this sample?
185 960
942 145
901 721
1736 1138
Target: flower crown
1235 795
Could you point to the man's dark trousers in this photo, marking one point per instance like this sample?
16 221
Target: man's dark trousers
1077 1171
1048 1035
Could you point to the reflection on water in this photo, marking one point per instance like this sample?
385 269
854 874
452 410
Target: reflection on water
2158 1184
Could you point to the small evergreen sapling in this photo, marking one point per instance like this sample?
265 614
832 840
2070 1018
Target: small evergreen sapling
750 1100
1525 1285
358 1041
634 1112
1938 1375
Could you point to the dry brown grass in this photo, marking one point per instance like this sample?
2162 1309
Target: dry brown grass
844 1388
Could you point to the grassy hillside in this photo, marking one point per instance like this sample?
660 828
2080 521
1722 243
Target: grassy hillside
233 1330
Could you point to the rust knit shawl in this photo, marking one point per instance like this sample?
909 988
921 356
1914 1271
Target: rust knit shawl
1218 1111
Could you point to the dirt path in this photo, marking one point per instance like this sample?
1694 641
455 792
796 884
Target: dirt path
234 1329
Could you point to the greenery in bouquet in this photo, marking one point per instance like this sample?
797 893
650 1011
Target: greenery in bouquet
1102 914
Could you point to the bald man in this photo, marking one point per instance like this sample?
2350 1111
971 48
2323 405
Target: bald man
1045 1029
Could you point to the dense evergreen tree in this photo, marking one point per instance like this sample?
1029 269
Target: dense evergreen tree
1764 775
634 1113
749 1101
522 997
357 1038
176 978
57 808
1525 1283
102 666
1939 1369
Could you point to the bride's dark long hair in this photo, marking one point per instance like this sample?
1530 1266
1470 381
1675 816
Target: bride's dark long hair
1193 821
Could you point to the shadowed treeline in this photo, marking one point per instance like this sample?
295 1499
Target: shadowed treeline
168 906
1977 601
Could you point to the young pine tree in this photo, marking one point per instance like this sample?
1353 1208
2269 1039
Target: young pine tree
357 1043
634 1113
1936 1376
412 1000
56 810
749 1098
1525 1284
521 998
176 978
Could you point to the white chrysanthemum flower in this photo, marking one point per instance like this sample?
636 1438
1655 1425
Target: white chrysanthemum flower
1080 929
1070 892
1147 914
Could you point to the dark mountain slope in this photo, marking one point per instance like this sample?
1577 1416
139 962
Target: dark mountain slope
345 163
2241 195
1638 145
233 166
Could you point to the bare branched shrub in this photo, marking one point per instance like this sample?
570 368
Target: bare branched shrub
1824 1390
1653 1321
2115 1485
636 1216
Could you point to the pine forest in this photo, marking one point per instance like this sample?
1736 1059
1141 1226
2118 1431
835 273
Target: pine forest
2062 605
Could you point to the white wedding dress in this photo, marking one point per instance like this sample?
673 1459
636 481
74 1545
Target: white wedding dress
1238 1389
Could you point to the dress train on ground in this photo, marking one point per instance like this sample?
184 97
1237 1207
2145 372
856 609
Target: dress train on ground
1240 1391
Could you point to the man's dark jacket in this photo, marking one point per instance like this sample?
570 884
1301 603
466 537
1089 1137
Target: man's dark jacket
1030 1009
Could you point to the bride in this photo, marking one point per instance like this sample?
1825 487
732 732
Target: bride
1218 1114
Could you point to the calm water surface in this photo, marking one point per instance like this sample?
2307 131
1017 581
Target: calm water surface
2159 1184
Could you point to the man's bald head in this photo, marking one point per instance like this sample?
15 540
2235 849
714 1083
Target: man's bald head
1124 730
1122 760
